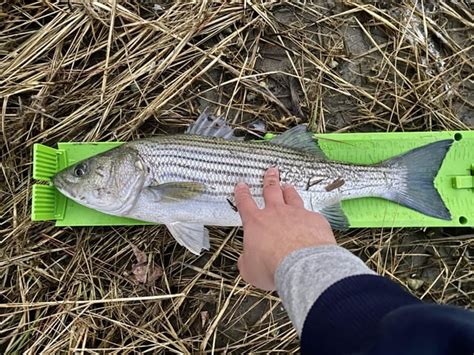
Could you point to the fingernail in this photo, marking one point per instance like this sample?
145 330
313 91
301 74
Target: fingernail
285 185
241 185
272 171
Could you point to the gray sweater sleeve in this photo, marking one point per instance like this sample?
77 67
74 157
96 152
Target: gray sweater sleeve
306 273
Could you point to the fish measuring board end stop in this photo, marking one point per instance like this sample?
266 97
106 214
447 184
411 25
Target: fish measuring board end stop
454 182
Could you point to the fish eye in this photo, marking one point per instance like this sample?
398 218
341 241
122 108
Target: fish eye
80 170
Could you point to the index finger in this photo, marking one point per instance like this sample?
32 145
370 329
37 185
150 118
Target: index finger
244 201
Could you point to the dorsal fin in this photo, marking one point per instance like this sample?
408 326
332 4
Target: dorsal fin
300 138
206 125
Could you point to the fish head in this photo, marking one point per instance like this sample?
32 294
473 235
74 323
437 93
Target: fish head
109 182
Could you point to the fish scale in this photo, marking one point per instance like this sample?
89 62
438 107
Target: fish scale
221 164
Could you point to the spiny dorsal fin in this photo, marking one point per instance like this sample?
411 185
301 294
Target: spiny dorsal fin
177 191
206 125
300 138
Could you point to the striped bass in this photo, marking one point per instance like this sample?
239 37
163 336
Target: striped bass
186 181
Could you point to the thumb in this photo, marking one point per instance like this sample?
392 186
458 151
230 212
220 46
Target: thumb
244 201
241 266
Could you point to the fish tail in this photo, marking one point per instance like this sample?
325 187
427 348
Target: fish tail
418 192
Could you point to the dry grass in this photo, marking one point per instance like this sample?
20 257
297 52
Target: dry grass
88 70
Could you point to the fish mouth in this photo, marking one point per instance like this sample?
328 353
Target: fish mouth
59 184
56 181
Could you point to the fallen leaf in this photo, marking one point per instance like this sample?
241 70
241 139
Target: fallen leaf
144 272
140 255
335 184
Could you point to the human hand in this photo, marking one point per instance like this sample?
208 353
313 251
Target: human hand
271 233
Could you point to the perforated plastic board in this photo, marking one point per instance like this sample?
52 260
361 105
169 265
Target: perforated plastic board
455 180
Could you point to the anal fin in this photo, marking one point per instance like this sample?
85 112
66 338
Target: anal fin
192 236
335 216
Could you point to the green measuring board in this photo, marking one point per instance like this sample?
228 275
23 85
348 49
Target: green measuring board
455 180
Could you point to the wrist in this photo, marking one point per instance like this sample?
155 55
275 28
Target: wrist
305 274
283 253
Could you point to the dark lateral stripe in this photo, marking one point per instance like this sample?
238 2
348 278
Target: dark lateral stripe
223 196
194 170
211 155
189 153
223 166
260 148
219 142
214 160
207 180
255 154
249 145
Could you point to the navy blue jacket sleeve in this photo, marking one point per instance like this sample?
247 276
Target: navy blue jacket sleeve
371 315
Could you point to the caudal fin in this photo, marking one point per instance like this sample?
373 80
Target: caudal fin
421 165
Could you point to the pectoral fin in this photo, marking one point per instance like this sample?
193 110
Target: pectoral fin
193 236
177 191
335 216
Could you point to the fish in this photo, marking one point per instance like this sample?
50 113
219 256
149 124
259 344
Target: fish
186 181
